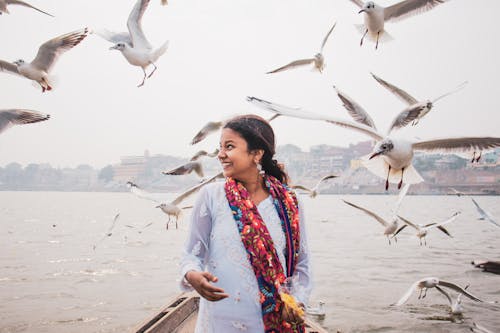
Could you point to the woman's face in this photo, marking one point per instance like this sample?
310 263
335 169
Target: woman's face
237 162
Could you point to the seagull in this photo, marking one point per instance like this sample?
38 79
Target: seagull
38 70
390 226
318 60
214 126
456 192
318 312
109 232
134 45
417 109
4 3
171 208
314 191
422 230
141 228
484 215
201 153
12 117
433 282
375 16
394 155
455 305
186 169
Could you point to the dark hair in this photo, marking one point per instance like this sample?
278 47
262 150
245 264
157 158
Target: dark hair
259 135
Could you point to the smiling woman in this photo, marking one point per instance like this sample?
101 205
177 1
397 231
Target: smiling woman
246 252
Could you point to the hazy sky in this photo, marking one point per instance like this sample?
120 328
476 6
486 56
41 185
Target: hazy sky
218 54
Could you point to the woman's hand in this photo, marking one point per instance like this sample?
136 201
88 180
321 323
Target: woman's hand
200 281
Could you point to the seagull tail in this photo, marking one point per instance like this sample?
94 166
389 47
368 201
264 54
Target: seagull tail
160 51
378 166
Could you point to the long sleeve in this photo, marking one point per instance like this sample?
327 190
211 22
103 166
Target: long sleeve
196 249
302 276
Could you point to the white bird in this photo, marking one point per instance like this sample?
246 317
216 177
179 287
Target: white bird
313 192
456 307
134 45
390 227
484 215
39 69
4 3
416 110
141 229
375 16
422 230
171 208
318 312
433 282
394 155
109 232
202 153
12 117
318 60
186 168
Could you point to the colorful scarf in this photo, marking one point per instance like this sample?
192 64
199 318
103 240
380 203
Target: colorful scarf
260 247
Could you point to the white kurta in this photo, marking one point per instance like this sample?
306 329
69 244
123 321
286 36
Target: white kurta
214 245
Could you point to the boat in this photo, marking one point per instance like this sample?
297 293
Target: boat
487 265
179 316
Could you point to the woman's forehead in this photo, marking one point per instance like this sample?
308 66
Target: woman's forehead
228 134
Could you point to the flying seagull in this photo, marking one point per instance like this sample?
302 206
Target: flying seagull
375 16
422 230
484 215
202 153
39 69
109 232
318 60
394 155
390 226
417 109
433 282
5 3
313 192
186 168
133 44
12 117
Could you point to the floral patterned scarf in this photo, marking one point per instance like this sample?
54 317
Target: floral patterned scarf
260 247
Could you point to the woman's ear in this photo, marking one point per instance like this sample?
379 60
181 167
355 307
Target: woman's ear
258 153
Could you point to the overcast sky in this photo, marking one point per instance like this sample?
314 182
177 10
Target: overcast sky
219 52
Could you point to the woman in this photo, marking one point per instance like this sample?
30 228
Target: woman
247 239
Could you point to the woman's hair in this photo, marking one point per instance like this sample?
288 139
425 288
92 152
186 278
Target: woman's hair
259 135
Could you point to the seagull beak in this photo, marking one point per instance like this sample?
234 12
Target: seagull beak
113 47
157 207
361 11
375 154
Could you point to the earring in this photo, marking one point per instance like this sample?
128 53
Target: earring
259 168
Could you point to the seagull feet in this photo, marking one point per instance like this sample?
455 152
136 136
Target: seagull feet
141 84
376 44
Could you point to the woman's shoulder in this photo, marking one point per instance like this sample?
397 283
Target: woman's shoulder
213 189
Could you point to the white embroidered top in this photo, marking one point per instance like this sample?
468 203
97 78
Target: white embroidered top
214 244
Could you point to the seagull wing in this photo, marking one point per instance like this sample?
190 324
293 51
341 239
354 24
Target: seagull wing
198 155
369 212
299 113
324 179
139 40
8 67
458 289
442 291
50 51
413 225
399 230
139 192
403 95
186 169
209 128
293 64
457 144
117 216
409 8
406 116
301 187
326 37
195 188
355 110
19 116
22 3
407 295
440 224
358 3
484 214
401 196
114 37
